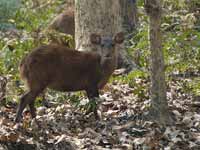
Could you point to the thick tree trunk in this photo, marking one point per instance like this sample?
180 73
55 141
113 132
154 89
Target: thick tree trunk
97 16
64 22
159 107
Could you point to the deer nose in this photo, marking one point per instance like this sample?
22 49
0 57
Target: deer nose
107 55
107 43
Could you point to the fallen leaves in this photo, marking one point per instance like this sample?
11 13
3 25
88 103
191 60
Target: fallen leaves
121 127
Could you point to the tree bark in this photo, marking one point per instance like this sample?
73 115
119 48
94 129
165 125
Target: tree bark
102 17
64 22
129 22
94 16
159 107
3 83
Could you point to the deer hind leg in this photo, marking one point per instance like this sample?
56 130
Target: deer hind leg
32 109
27 99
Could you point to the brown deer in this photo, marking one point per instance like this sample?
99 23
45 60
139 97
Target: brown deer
63 69
64 22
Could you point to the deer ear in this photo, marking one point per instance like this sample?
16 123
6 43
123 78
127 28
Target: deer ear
95 38
119 38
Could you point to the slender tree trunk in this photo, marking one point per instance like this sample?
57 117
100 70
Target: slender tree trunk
3 83
129 21
159 107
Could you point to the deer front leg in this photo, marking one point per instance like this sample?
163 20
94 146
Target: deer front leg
92 94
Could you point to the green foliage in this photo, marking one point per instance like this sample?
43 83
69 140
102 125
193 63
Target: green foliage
193 86
136 80
181 37
12 54
130 77
181 40
30 23
31 19
8 8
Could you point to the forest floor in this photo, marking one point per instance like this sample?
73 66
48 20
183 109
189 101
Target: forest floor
121 127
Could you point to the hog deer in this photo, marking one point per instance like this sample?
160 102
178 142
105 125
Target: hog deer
64 22
63 69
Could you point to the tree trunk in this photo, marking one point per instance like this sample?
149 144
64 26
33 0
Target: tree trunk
159 107
129 21
64 22
3 83
102 17
94 16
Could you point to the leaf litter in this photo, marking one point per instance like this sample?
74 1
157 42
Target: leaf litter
121 127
